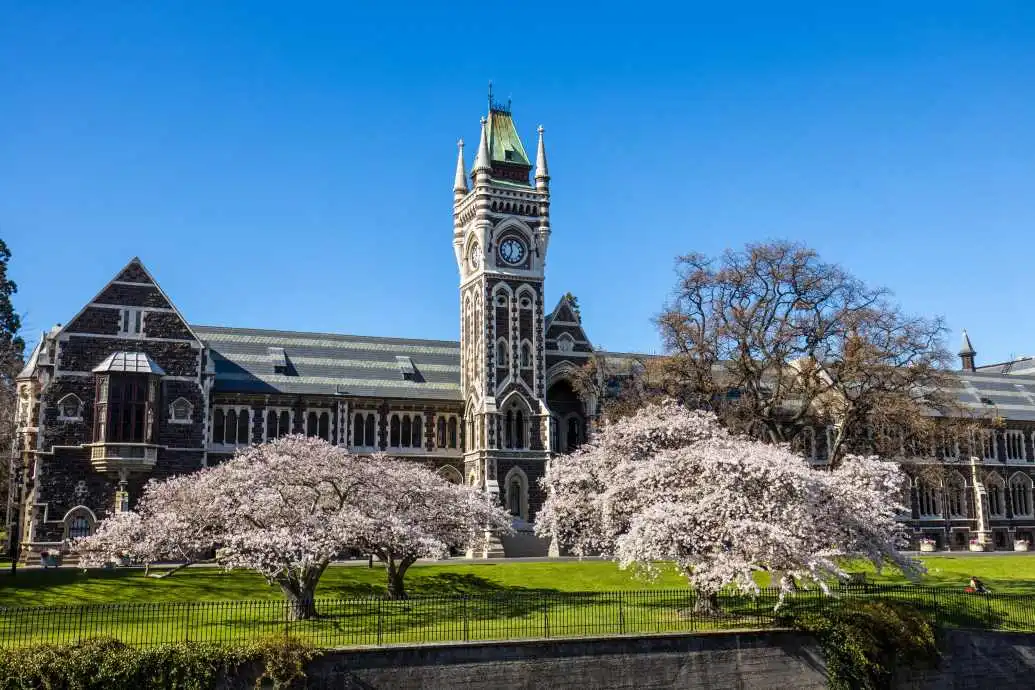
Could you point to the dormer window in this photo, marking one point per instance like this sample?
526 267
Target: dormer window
181 411
131 322
70 408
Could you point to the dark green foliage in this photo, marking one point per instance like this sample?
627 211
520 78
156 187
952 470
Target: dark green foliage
11 345
574 301
864 642
107 664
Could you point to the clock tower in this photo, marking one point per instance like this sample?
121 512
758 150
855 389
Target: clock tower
501 230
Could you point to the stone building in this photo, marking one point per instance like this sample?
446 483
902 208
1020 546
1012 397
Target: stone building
129 390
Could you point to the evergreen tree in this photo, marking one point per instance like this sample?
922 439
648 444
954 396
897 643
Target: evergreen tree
12 347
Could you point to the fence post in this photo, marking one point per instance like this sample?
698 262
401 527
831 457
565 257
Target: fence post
621 613
988 610
186 633
937 611
79 631
463 603
546 616
380 623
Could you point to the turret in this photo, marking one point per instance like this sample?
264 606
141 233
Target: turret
967 353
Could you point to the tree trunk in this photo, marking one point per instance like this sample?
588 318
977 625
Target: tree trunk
396 574
300 593
301 601
707 604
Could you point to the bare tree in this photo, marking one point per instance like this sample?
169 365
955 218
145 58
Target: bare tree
772 339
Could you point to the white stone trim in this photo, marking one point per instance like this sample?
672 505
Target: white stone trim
516 472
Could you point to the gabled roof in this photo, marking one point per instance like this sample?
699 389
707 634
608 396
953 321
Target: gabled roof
133 272
30 365
129 363
329 364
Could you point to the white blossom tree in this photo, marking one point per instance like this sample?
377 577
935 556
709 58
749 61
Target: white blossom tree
286 508
417 513
672 485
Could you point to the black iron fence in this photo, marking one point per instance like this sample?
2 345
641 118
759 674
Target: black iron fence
503 616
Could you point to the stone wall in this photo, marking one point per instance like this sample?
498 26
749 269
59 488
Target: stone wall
746 660
763 659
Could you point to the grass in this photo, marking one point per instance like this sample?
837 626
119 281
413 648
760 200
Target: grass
506 600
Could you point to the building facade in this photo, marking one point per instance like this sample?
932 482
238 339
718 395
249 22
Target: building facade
129 390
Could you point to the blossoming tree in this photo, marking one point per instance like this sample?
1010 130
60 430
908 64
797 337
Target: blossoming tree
670 484
286 508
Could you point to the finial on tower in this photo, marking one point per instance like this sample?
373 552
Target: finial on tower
967 353
481 160
542 172
460 181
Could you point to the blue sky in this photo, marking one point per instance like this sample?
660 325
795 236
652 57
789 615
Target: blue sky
289 165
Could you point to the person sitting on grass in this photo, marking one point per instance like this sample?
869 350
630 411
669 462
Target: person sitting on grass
977 586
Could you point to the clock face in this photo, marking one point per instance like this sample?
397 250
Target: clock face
512 251
475 256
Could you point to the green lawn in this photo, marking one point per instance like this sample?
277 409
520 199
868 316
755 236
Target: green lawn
505 600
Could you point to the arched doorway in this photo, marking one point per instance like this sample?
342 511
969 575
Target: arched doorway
568 428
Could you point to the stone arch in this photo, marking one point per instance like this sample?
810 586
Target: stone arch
70 407
515 485
451 474
80 521
995 493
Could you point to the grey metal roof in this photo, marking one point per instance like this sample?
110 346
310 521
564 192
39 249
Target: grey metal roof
329 364
129 362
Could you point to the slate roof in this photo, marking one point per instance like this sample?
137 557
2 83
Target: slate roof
129 362
329 364
1007 395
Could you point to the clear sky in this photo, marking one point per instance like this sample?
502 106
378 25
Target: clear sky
290 165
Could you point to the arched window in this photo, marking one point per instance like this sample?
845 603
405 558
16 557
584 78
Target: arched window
357 430
929 499
231 427
516 487
519 430
508 429
526 355
78 527
371 430
70 407
418 429
574 439
440 436
325 426
242 427
555 435
957 497
502 354
1020 494
284 429
452 433
995 488
393 434
451 474
271 425
218 425
79 522
181 411
405 431
310 424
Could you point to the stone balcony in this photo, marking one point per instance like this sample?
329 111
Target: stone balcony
118 457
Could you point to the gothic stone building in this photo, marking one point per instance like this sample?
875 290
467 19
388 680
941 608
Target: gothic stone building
129 390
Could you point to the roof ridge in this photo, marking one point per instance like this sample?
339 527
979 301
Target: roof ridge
319 334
